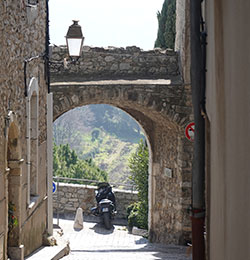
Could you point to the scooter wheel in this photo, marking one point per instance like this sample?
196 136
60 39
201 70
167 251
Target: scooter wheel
107 220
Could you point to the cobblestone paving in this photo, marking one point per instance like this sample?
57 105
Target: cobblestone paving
95 242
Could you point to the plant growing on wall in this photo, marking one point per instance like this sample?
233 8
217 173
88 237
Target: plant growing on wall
12 219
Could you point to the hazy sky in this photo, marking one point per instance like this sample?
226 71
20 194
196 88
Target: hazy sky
118 23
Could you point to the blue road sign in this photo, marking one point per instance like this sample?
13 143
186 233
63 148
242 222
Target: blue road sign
54 188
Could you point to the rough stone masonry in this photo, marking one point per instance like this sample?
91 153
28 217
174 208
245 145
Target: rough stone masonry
148 86
114 63
69 197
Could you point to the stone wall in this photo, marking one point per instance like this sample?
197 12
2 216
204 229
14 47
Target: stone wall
163 110
22 36
69 197
115 63
148 86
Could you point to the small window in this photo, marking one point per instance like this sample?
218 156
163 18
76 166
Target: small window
32 108
33 144
32 2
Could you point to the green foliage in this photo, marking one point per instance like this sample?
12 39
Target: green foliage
138 215
67 164
138 164
95 134
166 25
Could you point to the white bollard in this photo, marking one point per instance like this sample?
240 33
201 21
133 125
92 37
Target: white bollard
78 223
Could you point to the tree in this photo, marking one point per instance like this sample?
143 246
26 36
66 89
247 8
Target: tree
166 25
67 164
138 164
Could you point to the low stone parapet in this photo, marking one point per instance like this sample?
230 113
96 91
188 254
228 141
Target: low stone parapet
69 197
114 63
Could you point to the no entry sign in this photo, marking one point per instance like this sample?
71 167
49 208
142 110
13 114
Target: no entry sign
189 131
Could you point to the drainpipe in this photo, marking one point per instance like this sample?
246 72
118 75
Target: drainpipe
47 52
198 174
49 129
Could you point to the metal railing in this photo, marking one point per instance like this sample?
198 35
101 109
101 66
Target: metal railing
122 186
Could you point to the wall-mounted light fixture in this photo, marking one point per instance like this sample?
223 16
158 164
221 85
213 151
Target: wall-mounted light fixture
26 61
74 40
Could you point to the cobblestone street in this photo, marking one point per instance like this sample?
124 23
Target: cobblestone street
95 242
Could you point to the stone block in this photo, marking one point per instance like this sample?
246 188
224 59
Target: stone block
109 58
139 232
78 223
124 66
16 253
73 199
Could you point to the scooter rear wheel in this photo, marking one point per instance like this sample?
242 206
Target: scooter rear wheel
107 220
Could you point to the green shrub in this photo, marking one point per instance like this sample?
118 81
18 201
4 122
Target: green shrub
138 215
138 164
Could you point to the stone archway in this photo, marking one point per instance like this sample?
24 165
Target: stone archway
163 110
13 186
149 86
169 179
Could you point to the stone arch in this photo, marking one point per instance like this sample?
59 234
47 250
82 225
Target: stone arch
163 110
13 149
13 180
169 101
32 110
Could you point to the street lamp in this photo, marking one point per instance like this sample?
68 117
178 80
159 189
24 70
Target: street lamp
74 40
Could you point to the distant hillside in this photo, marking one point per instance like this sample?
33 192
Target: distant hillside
67 164
101 132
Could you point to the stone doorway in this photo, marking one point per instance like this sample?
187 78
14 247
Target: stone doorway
13 189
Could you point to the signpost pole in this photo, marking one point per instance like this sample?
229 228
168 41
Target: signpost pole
57 201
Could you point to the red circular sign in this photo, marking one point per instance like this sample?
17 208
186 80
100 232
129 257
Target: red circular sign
189 131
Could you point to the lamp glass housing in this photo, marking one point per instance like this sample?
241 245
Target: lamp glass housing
74 40
74 47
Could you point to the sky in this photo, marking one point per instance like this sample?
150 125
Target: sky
118 23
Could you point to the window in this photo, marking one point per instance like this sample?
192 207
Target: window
32 108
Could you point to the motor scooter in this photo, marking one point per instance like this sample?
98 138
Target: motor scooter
106 204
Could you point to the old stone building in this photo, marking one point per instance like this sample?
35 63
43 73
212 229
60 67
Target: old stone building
227 96
228 127
24 106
